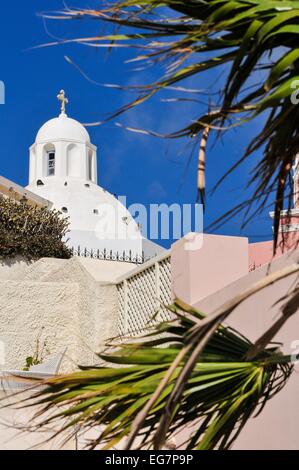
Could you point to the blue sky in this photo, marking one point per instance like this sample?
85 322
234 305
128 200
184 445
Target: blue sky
145 169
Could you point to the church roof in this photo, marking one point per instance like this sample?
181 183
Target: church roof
64 128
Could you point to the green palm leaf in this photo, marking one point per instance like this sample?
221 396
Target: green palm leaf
222 392
244 35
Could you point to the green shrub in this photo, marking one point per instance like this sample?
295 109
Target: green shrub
31 231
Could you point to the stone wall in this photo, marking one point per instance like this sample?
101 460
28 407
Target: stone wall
64 304
61 304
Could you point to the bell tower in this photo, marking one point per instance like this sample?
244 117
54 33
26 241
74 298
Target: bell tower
62 149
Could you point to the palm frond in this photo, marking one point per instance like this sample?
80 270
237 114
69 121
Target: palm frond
243 35
130 396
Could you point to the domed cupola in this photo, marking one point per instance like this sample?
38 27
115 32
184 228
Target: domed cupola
63 128
63 170
62 149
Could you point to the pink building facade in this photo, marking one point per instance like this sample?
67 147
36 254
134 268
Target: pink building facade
221 269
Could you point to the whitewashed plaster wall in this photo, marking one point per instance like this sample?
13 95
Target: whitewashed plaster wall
13 269
67 303
64 302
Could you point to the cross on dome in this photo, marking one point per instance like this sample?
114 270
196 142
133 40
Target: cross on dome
64 101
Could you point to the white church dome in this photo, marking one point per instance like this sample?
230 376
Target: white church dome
64 128
63 170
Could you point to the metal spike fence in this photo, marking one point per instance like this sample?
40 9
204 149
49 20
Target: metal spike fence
109 255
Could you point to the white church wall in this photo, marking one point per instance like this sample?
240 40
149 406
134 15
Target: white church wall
74 161
97 219
90 165
94 164
32 166
38 171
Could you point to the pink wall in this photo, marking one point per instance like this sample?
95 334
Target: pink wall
200 272
207 278
259 254
277 426
262 253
